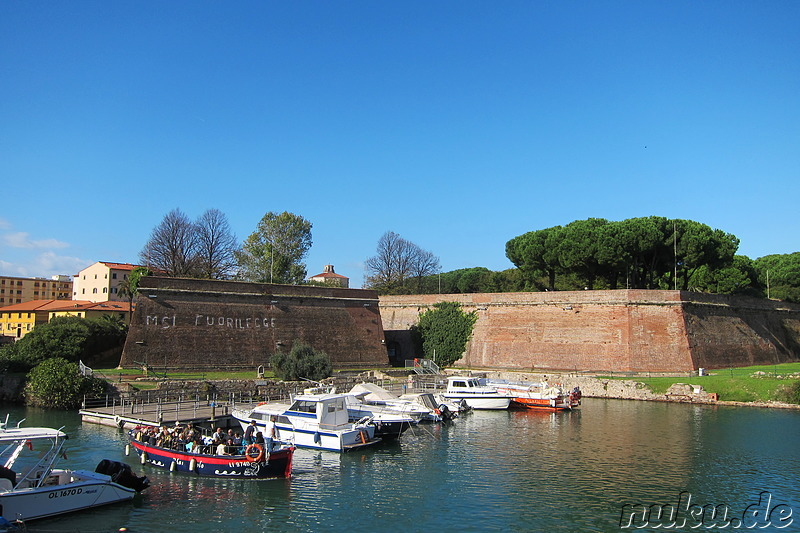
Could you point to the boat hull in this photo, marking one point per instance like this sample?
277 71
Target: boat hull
482 402
276 464
541 403
47 501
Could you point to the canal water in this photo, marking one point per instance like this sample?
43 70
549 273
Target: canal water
609 466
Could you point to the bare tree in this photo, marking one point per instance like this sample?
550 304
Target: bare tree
215 247
398 260
424 263
171 247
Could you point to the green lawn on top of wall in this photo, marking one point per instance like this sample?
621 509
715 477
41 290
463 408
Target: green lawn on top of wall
743 384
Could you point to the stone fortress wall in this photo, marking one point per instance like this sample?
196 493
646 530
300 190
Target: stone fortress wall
199 324
614 330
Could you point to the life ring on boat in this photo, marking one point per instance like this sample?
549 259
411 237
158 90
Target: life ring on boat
254 453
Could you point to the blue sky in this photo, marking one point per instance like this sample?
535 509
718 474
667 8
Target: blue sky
458 125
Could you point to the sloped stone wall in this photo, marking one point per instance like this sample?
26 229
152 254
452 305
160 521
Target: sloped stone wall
621 331
187 323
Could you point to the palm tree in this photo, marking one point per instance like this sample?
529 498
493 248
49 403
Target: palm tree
127 290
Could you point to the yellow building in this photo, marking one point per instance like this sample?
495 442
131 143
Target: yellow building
18 320
15 290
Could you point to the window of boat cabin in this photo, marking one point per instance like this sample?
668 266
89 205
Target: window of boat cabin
459 383
304 406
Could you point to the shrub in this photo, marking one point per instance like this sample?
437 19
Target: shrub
444 332
789 393
56 383
301 362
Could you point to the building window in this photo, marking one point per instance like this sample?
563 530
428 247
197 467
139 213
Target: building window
114 275
94 291
105 290
84 291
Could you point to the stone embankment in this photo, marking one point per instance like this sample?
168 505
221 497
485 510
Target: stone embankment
630 389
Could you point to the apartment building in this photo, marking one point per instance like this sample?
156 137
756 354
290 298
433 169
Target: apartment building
16 290
100 282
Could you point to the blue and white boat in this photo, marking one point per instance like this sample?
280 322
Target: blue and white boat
318 421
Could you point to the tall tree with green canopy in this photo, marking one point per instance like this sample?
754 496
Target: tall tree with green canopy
444 331
779 275
274 253
537 251
578 249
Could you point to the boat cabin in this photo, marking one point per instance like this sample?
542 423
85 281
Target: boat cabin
463 384
330 410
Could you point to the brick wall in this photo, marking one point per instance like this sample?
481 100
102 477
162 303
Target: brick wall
221 324
622 330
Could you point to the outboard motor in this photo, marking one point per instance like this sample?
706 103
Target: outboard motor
122 474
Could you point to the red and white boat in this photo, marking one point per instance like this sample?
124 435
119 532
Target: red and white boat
540 395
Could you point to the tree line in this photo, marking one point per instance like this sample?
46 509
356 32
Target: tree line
207 248
647 253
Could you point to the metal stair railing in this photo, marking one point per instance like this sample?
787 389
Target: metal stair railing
423 366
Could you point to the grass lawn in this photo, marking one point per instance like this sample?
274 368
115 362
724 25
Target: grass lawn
733 384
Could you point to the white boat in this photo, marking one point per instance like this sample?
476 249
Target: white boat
389 423
372 394
477 395
318 421
32 488
438 410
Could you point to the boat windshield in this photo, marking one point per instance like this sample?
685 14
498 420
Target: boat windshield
304 406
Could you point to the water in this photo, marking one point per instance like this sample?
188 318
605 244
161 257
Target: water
489 471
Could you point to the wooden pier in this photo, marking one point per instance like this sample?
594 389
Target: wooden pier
129 414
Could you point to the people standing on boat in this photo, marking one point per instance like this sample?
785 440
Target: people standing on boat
249 433
219 436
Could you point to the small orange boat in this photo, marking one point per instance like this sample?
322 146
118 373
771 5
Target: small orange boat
539 395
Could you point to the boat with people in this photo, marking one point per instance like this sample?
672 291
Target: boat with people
541 395
319 421
31 487
475 394
257 460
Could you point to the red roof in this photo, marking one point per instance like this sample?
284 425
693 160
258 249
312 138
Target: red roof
329 275
40 305
66 305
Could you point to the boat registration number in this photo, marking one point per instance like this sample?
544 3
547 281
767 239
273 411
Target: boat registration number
62 493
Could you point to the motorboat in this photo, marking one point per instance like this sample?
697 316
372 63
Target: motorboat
373 394
269 459
476 394
438 410
541 395
318 421
31 487
389 423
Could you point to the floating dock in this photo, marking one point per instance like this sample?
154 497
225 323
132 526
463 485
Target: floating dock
131 414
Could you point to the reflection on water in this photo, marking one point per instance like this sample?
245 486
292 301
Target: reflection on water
488 471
